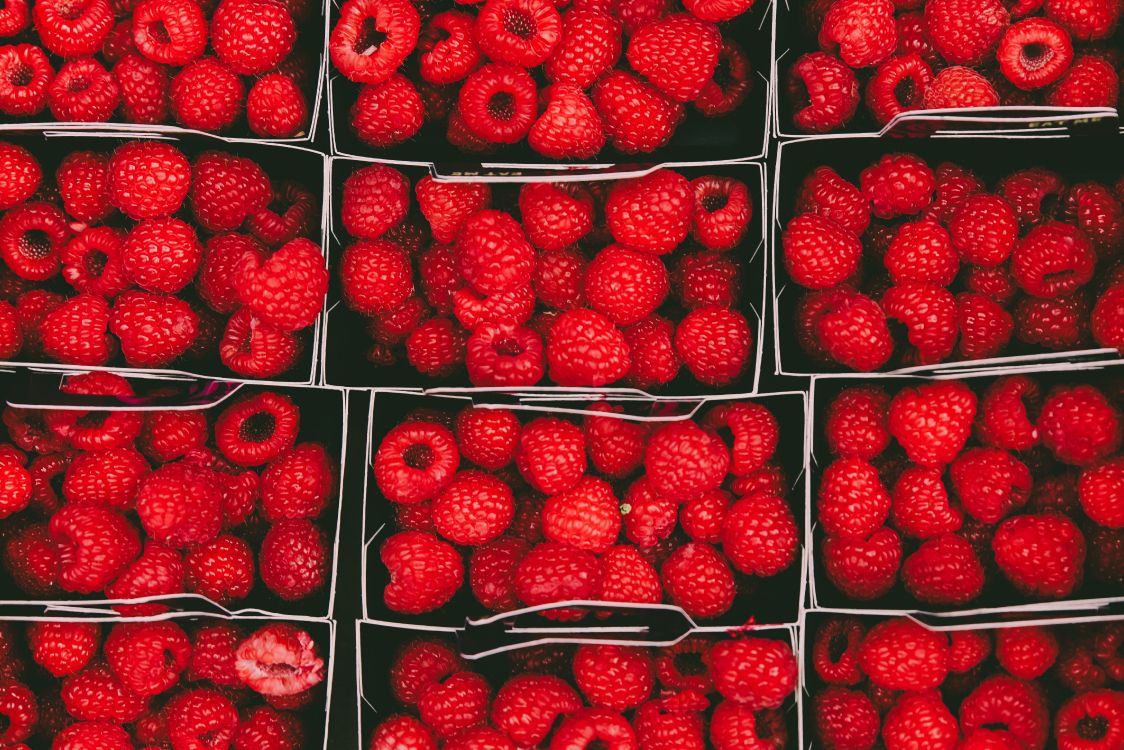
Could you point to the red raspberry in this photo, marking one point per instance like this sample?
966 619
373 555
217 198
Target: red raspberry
677 54
551 455
682 460
222 571
1006 704
493 253
835 651
1005 421
851 329
845 719
943 570
899 184
252 36
216 278
991 483
491 572
418 665
824 93
387 113
755 672
589 47
626 285
1026 652
180 505
148 657
22 175
615 677
1101 490
148 179
555 216
698 579
754 432
425 572
968 649
1043 555
375 199
400 730
856 425
473 509
851 502
527 706
652 213
376 276
276 107
255 430
110 477
1034 52
95 545
498 102
269 729
616 446
863 570
14 18
372 38
965 32
1053 324
16 484
818 253
144 89
628 577
488 437
957 87
289 215
457 703
954 184
933 421
294 559
227 189
298 483
715 344
1079 425
448 48
169 435
25 74
448 205
553 572
73 29
922 251
154 330
733 726
587 516
32 237
96 694
994 283
984 229
1053 260
921 507
649 518
1095 210
32 558
825 193
83 91
286 291
900 84
200 716
92 262
63 648
1089 82
279 661
862 31
1092 719
708 278
638 117
651 347
171 32
900 654
569 127
594 725
207 95
1032 193
920 718
436 347
584 348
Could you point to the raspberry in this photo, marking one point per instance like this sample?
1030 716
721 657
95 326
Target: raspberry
1043 555
818 253
14 18
148 179
709 278
289 214
294 559
677 54
984 229
954 184
920 718
222 571
590 726
957 87
856 425
553 572
589 47
487 437
498 103
75 331
298 483
171 32
92 262
148 657
682 460
1053 260
436 347
372 38
279 660
586 517
1054 324
226 190
180 505
715 344
493 253
473 509
268 729
199 716
835 651
518 32
698 579
1034 52
555 216
863 570
717 10
648 517
965 32
1026 652
73 28
652 213
425 572
569 127
615 677
852 503
206 95
448 48
899 184
900 654
286 291
1006 704
900 84
491 572
252 347
154 330
32 558
276 107
109 478
96 694
1089 82
32 236
63 648
638 117
22 175
527 706
95 545
755 672
922 251
651 347
845 719
944 570
375 199
584 348
144 89
852 330
255 430
25 74
83 91
733 726
862 31
551 455
921 507
252 36
824 93
628 577
1005 421
448 205
933 421
457 703
1079 425
387 113
626 285
1100 490
400 730
418 665
825 193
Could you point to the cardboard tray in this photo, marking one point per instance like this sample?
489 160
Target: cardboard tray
280 161
344 363
1076 159
1000 599
323 419
739 135
773 601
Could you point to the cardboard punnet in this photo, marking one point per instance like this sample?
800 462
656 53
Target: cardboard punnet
377 643
1001 598
742 134
773 601
990 157
279 160
323 419
345 364
792 39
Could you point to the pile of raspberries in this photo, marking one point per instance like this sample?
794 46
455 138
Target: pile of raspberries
595 283
700 694
894 684
129 504
550 509
971 494
915 266
158 61
103 262
509 70
182 683
951 54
